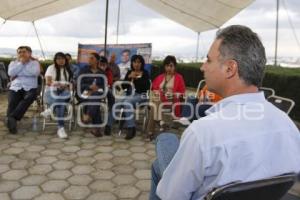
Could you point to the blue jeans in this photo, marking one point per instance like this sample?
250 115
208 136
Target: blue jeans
129 105
51 97
199 110
166 147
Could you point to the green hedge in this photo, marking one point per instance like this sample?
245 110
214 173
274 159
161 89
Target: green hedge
285 81
190 72
44 64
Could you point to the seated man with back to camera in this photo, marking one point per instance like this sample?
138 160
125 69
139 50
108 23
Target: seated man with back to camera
22 92
242 138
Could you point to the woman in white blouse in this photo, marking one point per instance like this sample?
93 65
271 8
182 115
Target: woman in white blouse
58 82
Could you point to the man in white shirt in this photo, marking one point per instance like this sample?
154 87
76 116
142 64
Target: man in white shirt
242 138
125 63
24 74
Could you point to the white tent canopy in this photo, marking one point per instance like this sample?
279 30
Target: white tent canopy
32 10
198 15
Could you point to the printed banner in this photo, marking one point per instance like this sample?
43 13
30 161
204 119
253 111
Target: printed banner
121 51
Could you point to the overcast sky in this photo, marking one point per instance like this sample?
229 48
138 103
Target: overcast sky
139 24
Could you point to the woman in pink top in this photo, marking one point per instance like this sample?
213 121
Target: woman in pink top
167 88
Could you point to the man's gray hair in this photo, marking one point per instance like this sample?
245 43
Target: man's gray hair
241 44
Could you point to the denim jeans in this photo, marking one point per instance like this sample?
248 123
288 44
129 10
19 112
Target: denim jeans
199 109
186 110
166 147
52 97
128 104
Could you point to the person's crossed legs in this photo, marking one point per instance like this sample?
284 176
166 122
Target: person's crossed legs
18 104
166 147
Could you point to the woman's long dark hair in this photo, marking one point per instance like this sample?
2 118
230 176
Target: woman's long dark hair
169 59
66 68
137 57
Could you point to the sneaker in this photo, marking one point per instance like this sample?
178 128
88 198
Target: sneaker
46 113
183 121
62 133
96 132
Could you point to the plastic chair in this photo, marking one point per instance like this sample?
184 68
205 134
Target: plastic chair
201 84
284 104
70 109
273 188
3 77
142 109
267 91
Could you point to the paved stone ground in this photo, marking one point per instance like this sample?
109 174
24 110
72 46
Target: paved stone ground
38 165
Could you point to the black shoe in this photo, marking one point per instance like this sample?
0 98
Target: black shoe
12 125
107 130
150 137
121 124
96 132
130 133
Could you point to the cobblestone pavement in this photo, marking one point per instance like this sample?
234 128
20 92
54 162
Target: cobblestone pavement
38 165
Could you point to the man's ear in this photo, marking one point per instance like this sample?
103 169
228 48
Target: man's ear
231 68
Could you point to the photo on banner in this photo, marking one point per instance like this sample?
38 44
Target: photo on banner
122 52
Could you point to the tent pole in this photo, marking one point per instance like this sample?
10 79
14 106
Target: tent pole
276 33
106 20
2 24
118 21
37 35
197 47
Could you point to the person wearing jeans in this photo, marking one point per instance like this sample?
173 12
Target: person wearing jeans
192 110
242 138
57 93
57 100
166 147
195 107
140 80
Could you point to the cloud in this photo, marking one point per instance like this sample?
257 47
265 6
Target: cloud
140 24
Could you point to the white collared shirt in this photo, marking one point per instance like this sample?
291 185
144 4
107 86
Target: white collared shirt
243 138
124 68
24 75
